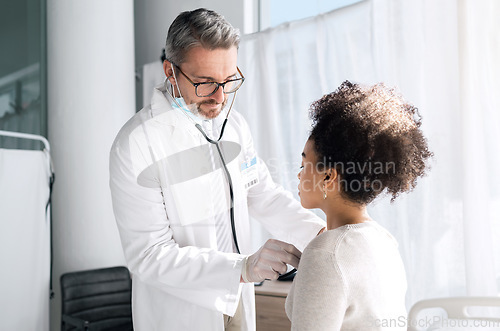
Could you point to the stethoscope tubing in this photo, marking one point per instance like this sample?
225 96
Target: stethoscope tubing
228 177
226 170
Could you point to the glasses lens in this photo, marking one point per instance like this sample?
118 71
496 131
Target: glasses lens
232 85
205 89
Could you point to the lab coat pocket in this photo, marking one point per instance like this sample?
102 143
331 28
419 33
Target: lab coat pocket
188 176
193 200
196 180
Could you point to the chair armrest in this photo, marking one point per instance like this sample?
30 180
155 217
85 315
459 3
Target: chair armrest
455 307
78 322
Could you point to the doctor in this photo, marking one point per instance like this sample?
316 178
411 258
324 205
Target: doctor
182 203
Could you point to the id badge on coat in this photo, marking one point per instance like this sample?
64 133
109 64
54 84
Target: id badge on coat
249 173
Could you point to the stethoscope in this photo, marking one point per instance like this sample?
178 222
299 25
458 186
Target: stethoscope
228 175
216 143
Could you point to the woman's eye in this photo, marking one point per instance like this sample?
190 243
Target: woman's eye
301 167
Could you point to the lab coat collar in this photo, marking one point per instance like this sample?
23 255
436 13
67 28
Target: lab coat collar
159 103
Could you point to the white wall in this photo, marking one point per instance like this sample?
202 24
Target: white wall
90 96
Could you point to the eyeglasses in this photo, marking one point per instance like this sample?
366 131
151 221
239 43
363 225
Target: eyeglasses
209 88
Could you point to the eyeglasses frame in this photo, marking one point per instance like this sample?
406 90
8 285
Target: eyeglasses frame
218 84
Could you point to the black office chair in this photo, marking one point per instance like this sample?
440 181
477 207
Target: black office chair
97 299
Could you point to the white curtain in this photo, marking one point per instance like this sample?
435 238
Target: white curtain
24 240
445 58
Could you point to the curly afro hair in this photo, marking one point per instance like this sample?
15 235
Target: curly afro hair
372 137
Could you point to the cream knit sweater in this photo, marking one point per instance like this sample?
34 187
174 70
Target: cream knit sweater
349 278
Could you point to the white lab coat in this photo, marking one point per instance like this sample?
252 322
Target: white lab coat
167 186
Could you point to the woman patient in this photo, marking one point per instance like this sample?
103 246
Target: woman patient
365 140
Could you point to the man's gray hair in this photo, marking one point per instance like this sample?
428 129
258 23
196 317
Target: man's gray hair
200 27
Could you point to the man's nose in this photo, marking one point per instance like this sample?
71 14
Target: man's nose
219 95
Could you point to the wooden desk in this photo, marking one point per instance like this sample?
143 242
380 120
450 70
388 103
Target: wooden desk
270 306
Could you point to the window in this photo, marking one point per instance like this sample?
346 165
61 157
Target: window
275 12
22 72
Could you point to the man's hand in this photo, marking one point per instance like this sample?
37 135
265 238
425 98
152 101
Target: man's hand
270 261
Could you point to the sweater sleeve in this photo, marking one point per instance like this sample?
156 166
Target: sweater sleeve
318 298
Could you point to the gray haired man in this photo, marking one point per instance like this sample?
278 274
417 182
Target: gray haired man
185 178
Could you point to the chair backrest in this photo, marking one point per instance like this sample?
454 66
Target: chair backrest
100 296
457 308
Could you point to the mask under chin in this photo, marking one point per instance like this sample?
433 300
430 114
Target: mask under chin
181 104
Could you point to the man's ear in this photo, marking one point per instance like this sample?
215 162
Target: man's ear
169 73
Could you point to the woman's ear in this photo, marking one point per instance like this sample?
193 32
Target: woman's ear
330 177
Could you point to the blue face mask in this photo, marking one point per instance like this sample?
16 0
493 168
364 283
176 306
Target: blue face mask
180 103
176 102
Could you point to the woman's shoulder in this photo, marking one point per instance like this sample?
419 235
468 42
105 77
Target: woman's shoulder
328 240
351 237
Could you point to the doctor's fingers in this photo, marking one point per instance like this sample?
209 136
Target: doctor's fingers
277 259
270 269
269 274
282 251
281 245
